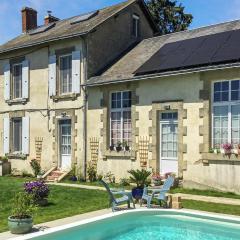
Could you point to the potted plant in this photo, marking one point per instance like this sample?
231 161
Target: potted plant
119 146
226 149
92 173
140 178
39 190
5 166
125 146
73 176
111 147
21 220
157 179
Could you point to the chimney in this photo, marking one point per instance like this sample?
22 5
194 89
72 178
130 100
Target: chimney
29 19
49 18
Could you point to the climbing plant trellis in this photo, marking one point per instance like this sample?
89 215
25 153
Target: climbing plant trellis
94 146
143 147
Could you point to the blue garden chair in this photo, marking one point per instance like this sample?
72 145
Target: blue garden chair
159 194
125 197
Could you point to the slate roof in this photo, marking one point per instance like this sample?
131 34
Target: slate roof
125 68
64 29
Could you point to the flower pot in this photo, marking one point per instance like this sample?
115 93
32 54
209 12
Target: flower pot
127 148
73 178
20 226
215 151
119 149
235 151
42 202
137 193
111 148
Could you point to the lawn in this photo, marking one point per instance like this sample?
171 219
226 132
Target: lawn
63 201
210 193
212 207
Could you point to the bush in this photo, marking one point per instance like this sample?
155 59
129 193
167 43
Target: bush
92 173
23 206
38 189
140 177
35 167
124 182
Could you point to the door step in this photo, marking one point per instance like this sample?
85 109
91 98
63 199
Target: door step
56 175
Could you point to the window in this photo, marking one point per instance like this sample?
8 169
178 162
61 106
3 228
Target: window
65 74
226 113
135 25
17 81
17 134
120 118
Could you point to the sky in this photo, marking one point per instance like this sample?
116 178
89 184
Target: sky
205 12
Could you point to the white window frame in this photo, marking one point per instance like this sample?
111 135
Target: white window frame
13 81
59 74
121 109
136 30
13 134
228 103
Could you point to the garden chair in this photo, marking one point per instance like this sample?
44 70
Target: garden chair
125 197
159 194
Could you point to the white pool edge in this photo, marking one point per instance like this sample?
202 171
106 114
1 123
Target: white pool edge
108 215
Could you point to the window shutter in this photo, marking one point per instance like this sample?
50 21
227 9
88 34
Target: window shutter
52 75
25 78
6 126
25 135
7 82
76 71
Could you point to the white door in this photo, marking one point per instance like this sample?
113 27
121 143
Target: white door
169 142
65 144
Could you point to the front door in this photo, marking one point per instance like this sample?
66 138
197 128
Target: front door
65 144
169 142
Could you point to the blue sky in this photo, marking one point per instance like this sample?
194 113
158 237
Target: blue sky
205 12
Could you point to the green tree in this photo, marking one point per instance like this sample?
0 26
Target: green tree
169 15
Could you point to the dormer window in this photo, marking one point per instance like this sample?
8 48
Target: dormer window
135 25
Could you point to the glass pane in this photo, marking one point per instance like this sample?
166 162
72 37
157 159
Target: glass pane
66 74
17 135
217 86
234 95
224 96
225 86
220 125
235 85
17 81
235 124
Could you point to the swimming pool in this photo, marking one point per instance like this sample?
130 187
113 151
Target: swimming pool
149 225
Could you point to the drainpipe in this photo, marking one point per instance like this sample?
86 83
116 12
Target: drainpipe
85 131
85 101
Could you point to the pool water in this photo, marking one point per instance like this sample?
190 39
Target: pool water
152 225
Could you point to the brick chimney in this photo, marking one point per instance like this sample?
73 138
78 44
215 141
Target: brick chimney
49 18
29 19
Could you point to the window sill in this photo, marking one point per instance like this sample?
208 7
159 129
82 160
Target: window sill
122 154
208 158
71 96
17 101
17 156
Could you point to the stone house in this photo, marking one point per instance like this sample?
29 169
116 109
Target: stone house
174 99
99 89
42 73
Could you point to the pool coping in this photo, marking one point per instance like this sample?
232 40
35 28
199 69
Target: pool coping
112 214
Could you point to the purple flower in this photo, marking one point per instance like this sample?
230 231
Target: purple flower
39 189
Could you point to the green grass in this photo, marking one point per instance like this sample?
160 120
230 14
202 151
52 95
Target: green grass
209 193
212 207
63 201
97 184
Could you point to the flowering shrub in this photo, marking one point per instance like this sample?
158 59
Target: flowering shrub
38 189
157 177
227 146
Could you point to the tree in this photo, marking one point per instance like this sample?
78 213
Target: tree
169 15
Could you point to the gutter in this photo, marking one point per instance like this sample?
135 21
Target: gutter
166 74
45 41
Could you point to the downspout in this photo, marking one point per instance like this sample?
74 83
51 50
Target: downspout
85 101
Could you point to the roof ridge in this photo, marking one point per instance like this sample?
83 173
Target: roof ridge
194 29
